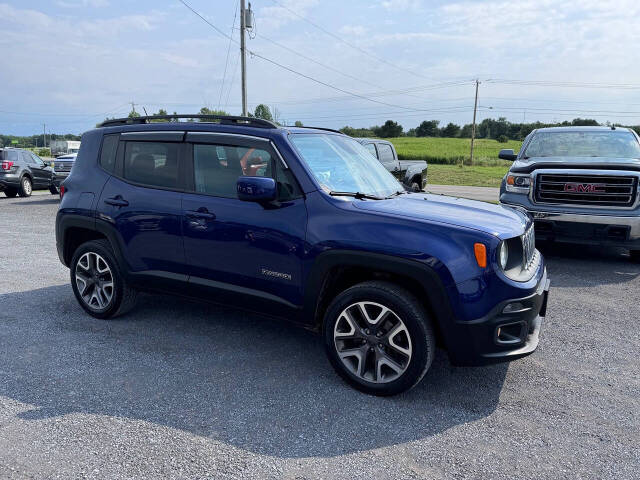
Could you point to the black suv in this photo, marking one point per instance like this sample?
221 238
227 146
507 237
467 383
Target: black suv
22 171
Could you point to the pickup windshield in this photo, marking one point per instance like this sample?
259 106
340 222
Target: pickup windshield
611 143
340 164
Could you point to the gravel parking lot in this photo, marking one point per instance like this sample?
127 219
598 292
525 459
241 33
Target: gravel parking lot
178 389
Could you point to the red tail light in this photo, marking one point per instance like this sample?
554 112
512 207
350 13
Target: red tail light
6 165
62 190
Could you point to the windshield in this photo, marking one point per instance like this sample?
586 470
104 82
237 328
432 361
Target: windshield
610 143
341 164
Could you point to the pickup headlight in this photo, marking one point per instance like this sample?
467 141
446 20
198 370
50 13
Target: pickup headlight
518 183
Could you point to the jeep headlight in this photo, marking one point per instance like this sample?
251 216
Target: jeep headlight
503 255
518 183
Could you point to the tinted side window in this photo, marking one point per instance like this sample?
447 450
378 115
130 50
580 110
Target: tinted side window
372 148
108 153
216 168
152 163
26 157
386 153
37 159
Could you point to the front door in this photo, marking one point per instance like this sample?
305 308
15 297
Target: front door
244 250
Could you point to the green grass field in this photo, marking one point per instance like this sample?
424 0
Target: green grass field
451 150
474 176
445 157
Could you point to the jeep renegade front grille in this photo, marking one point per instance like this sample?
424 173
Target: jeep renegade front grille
585 189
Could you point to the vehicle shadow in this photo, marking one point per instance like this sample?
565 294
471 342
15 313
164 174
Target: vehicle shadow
254 383
572 265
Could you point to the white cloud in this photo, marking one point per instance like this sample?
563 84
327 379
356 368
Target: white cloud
356 30
276 16
401 5
82 3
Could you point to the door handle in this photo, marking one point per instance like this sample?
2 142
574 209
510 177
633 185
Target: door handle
116 201
201 213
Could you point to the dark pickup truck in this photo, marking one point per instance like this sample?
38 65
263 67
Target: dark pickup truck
580 185
412 173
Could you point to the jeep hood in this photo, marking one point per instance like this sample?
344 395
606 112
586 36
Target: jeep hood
498 220
595 163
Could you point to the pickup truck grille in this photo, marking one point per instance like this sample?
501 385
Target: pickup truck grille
62 166
585 189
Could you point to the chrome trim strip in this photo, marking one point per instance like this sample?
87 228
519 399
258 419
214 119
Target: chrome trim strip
273 145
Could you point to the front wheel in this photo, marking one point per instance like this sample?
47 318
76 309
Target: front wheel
26 187
379 338
99 286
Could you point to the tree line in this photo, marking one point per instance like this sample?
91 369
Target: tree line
500 129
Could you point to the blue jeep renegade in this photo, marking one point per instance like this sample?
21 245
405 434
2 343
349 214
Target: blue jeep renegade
306 225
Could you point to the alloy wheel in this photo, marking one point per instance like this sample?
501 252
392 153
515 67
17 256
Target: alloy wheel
26 186
94 281
372 342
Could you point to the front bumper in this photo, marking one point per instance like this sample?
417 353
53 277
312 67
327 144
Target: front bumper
593 228
510 331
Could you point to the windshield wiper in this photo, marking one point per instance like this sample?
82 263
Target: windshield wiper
397 193
358 195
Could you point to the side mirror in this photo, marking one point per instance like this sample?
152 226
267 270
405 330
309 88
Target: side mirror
507 154
256 189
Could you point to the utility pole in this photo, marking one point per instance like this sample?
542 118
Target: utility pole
473 127
133 107
44 134
243 55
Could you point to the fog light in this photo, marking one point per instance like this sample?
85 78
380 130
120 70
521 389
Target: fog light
515 307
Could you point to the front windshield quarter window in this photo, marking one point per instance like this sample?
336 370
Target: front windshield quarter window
340 164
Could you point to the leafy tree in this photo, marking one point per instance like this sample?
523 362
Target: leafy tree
389 129
262 111
298 123
411 132
133 114
357 132
502 139
428 128
209 111
451 130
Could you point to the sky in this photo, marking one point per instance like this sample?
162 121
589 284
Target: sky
71 63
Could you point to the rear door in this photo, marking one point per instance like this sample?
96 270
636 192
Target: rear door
37 169
143 201
243 250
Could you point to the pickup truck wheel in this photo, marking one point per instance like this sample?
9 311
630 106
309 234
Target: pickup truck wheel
98 284
378 338
11 192
26 187
415 187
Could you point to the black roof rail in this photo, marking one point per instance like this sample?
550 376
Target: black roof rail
223 119
317 128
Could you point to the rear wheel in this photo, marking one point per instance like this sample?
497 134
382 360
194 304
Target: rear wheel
379 338
11 192
97 282
26 187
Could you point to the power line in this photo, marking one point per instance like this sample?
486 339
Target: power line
226 62
546 83
340 39
291 70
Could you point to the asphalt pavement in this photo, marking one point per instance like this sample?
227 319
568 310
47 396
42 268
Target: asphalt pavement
180 389
484 194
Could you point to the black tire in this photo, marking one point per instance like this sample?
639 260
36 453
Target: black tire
408 310
635 255
26 187
54 190
11 192
123 297
415 187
